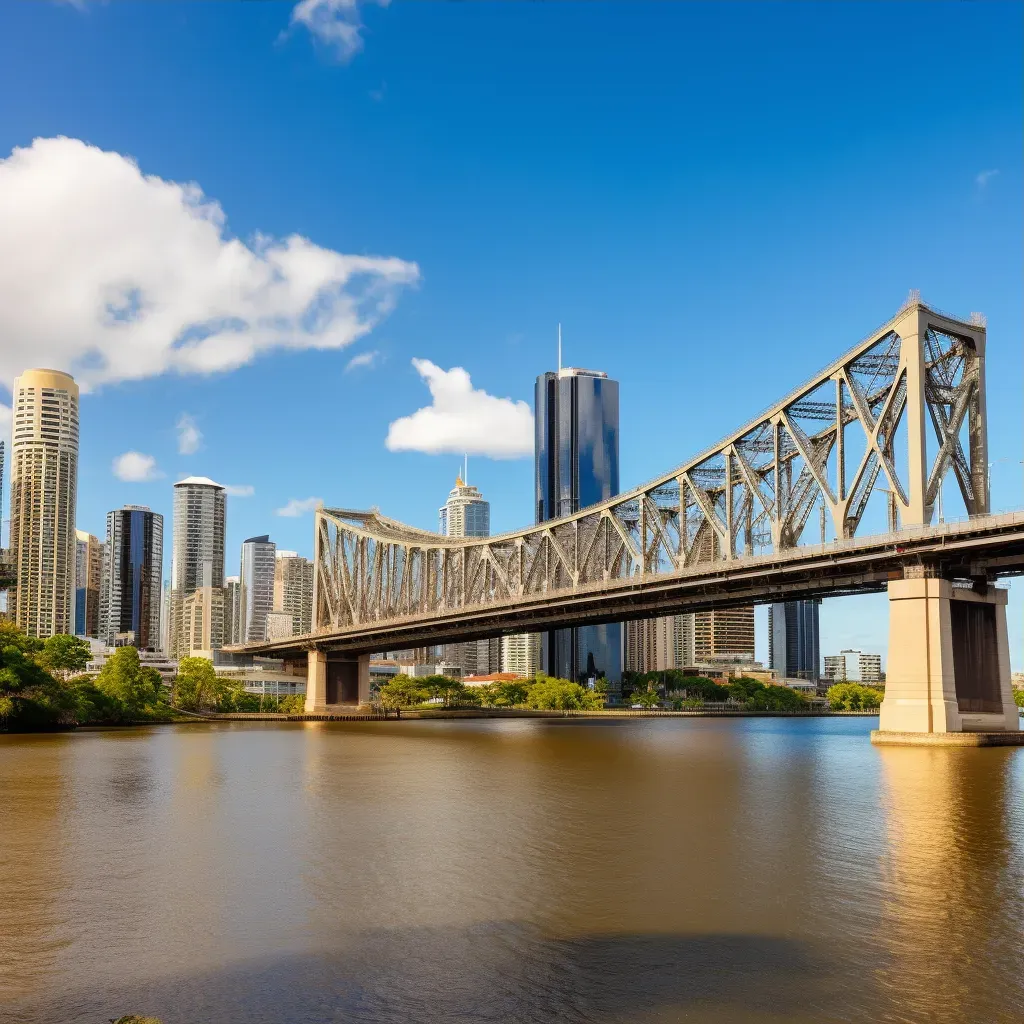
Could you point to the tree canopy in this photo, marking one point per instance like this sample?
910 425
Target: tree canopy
195 686
853 697
65 655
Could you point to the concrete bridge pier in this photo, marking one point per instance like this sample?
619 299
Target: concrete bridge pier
334 681
949 662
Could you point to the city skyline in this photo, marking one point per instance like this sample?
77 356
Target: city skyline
611 196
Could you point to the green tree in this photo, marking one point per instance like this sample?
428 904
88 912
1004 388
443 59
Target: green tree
551 694
125 679
399 692
64 655
196 687
450 691
1018 697
11 635
646 698
505 694
853 697
294 704
30 698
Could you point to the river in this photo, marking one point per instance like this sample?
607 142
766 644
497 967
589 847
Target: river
641 870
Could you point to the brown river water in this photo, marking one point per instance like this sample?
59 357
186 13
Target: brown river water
641 870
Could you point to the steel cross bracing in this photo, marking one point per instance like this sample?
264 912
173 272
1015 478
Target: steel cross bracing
860 427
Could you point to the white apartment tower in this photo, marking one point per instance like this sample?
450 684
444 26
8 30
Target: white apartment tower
293 590
256 596
44 489
197 565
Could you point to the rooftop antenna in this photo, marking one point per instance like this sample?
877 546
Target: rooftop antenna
559 348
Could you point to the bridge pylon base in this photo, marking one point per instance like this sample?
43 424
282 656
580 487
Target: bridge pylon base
949 662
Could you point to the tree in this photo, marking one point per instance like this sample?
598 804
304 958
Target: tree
11 635
64 655
647 698
30 698
196 687
399 692
125 679
551 694
505 694
853 697
293 704
1018 697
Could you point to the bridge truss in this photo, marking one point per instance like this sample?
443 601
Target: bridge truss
860 427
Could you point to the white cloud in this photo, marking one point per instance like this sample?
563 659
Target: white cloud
334 22
298 507
136 468
189 435
239 490
112 275
982 178
366 359
461 420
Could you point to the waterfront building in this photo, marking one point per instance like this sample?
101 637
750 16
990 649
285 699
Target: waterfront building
576 463
89 555
293 590
165 616
724 634
520 654
232 609
465 513
793 639
130 589
654 645
197 564
44 490
256 597
853 667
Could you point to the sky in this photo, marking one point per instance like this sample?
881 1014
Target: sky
318 251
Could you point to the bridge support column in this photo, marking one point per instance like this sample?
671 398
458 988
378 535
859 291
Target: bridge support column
316 683
949 661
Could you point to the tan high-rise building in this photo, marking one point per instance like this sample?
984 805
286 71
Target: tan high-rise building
293 589
197 563
654 645
724 634
89 556
44 488
520 654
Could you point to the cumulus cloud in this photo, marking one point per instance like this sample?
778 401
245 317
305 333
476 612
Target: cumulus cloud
239 490
189 435
366 359
461 420
114 275
982 178
336 23
136 468
298 507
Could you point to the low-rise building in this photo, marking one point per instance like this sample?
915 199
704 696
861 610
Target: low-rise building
493 677
853 667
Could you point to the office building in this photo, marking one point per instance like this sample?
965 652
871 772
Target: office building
197 564
44 490
89 554
793 639
654 645
279 625
465 513
232 609
165 617
723 635
853 667
576 462
256 597
520 654
132 566
293 590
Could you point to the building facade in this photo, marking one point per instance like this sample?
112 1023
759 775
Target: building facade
89 555
465 513
293 590
256 596
197 563
44 491
654 645
724 634
576 463
130 595
232 607
520 654
853 667
794 639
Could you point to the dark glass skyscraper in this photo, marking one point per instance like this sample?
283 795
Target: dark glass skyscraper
793 639
576 456
130 586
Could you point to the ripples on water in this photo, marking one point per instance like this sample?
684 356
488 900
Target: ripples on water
649 870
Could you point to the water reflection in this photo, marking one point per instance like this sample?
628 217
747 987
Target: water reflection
952 907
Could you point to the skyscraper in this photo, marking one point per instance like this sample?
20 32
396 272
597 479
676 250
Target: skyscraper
293 589
89 555
197 564
467 514
132 566
654 645
793 639
44 489
256 596
724 634
232 610
576 459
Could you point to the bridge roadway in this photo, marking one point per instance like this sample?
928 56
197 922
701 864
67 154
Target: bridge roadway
983 547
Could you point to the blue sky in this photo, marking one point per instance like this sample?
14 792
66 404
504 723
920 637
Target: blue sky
715 200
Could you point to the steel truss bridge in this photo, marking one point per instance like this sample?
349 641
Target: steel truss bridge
745 521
